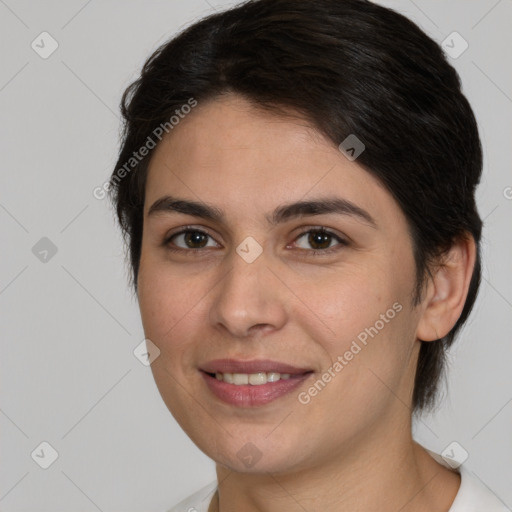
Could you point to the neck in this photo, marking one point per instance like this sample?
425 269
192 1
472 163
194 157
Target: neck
386 473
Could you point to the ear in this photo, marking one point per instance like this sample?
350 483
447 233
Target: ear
447 291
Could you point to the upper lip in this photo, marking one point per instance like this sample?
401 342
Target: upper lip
251 366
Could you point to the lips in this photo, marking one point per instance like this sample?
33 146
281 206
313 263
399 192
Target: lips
252 366
253 383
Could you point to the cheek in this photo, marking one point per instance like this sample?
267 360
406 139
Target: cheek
169 304
165 295
166 300
360 318
348 301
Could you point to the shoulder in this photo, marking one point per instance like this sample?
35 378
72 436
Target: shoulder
197 502
475 496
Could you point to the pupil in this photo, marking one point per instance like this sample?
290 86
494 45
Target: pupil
319 238
194 237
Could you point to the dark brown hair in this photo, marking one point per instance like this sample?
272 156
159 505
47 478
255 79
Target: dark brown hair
348 67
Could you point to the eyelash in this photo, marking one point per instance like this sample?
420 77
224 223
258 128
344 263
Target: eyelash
314 252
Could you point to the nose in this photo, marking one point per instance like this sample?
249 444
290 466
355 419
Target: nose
249 298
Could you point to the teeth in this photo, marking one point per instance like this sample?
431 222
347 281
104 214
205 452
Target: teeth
273 377
254 379
239 379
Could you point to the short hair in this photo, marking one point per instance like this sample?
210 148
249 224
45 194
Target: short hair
348 67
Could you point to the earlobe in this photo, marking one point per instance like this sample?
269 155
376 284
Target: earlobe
447 291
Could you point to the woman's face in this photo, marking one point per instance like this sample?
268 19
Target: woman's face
261 282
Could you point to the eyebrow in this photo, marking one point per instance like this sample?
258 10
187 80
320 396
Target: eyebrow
286 212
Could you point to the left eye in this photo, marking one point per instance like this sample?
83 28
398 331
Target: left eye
320 239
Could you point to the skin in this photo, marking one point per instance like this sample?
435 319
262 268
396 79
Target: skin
350 448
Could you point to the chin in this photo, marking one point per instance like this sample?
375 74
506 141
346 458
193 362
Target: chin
259 455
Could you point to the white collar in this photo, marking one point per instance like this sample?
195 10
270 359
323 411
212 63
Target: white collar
473 494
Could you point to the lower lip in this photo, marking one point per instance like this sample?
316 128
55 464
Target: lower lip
247 395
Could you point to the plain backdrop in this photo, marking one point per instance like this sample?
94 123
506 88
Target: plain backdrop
69 324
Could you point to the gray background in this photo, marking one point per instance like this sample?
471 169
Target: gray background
69 324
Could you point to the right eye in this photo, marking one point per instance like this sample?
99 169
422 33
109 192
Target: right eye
189 239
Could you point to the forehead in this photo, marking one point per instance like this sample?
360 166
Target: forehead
228 153
229 128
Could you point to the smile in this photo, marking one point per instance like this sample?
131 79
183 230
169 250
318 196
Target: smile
254 379
265 387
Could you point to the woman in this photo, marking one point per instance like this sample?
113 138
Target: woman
296 187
